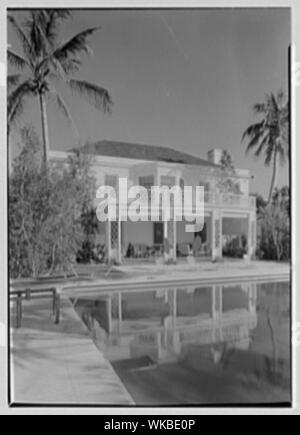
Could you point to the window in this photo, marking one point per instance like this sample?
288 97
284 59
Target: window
206 186
147 182
111 180
168 181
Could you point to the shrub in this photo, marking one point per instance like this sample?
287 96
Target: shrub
45 211
274 224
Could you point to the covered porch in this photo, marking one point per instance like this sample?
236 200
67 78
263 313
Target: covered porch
224 234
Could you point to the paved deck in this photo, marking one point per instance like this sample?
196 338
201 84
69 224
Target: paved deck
59 364
135 277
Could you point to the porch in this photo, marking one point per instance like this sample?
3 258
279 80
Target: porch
224 234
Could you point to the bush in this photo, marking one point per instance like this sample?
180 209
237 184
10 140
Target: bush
45 211
274 224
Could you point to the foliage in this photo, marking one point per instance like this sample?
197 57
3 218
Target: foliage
274 227
44 62
227 182
236 248
270 136
45 208
89 251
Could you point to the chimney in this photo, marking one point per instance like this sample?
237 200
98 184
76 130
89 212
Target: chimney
215 156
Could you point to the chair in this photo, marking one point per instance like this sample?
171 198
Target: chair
183 250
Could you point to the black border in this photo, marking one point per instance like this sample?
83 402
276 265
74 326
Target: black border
278 405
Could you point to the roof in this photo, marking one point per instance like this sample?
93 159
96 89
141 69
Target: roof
143 152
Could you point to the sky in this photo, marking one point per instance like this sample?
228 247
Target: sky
185 79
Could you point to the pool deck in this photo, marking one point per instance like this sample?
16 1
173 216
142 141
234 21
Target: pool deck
59 364
184 275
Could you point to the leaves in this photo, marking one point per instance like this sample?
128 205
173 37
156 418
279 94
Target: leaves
270 136
15 100
45 207
16 60
63 108
24 40
76 45
227 179
48 63
13 80
96 95
50 20
274 222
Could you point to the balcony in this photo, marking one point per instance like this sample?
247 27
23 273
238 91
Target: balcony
212 200
230 201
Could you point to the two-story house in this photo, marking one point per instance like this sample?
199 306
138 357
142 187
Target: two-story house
227 216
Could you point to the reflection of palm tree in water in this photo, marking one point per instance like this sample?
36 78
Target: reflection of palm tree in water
273 366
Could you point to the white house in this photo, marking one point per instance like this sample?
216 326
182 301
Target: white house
227 216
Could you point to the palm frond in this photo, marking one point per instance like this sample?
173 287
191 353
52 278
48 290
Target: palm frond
274 103
58 68
16 60
16 112
99 97
63 108
40 44
262 145
253 130
13 80
260 108
281 97
255 141
21 36
25 88
75 45
49 20
70 66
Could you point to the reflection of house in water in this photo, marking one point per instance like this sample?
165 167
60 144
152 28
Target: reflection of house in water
233 340
211 330
164 324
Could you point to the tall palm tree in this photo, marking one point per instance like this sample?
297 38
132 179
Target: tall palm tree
45 62
270 136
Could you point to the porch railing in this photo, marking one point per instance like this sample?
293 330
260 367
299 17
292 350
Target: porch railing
242 202
230 200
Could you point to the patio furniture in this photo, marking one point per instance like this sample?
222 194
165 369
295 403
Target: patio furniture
183 249
197 246
140 251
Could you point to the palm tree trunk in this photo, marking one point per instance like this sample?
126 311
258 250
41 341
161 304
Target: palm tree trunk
273 178
7 137
45 131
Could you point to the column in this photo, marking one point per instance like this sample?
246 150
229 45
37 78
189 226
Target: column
108 240
120 313
172 238
170 235
109 314
174 308
252 294
216 235
217 302
119 253
166 224
252 235
114 241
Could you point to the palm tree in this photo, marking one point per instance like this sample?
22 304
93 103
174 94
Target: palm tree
44 63
270 136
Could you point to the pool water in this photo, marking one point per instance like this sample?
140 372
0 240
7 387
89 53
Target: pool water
213 345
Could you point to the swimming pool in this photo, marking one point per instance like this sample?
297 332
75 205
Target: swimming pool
212 344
